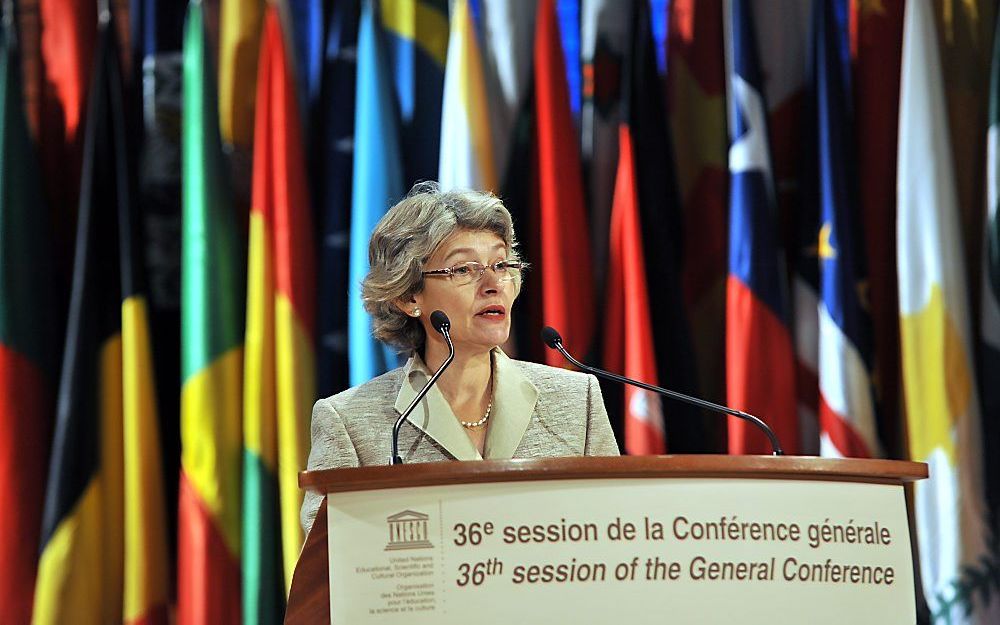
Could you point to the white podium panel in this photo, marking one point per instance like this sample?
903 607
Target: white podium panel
692 550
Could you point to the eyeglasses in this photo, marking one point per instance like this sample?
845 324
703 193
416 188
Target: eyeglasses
467 273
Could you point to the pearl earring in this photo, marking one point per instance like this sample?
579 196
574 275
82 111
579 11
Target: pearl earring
416 312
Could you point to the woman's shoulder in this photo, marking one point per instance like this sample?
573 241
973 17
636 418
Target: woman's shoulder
544 376
382 388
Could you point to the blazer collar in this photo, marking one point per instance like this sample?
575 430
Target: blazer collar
514 398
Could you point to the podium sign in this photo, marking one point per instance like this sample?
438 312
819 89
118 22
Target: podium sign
687 549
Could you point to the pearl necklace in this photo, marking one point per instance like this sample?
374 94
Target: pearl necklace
475 424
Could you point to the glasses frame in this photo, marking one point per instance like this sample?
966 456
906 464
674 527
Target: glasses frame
449 272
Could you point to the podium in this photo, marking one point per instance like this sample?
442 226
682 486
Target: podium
635 539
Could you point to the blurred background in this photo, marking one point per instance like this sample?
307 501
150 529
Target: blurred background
787 206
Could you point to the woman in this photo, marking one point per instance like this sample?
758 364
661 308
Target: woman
456 252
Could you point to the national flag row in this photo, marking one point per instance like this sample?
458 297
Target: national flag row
735 266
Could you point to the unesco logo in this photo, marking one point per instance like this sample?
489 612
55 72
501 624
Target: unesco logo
407 530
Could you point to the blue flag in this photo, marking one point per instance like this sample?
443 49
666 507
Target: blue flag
377 183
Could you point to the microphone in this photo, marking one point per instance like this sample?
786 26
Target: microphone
551 338
442 325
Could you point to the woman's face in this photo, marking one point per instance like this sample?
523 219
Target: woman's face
480 310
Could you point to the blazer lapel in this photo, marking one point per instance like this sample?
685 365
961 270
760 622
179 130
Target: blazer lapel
514 401
433 415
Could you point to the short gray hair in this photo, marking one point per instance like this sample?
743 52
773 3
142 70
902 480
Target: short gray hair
406 236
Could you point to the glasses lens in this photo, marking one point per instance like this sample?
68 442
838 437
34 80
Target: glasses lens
507 271
466 273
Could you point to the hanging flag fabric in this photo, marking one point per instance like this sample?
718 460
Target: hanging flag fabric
568 18
104 554
212 309
561 219
506 30
629 339
334 189
467 156
279 373
414 36
604 31
307 37
989 329
27 349
756 294
377 185
835 252
939 386
239 46
68 32
877 37
696 103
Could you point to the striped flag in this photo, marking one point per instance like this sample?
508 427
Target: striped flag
835 251
279 373
104 554
467 156
27 350
756 299
942 405
990 311
209 506
334 190
561 219
415 42
377 185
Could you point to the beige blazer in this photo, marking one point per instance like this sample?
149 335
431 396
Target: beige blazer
538 412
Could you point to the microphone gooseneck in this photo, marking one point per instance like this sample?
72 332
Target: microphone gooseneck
442 325
551 337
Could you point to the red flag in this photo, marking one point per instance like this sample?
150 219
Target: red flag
877 43
628 307
563 259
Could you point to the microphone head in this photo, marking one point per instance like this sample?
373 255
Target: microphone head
550 336
440 321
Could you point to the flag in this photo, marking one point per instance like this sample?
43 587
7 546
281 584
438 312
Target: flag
154 100
568 17
506 30
307 37
467 156
835 251
629 339
877 40
696 104
563 262
990 309
756 294
377 185
414 36
209 501
239 45
604 32
279 373
27 351
939 387
104 554
68 33
334 190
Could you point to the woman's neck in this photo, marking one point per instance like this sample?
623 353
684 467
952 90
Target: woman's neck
467 380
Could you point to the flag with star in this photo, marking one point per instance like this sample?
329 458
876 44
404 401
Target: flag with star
830 218
958 559
756 293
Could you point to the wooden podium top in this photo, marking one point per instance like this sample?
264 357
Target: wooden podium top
308 600
613 467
